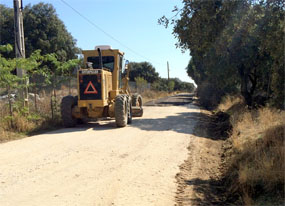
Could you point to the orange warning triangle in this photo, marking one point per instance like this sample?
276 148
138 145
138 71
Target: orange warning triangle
93 91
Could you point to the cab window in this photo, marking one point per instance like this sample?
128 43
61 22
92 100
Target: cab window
108 62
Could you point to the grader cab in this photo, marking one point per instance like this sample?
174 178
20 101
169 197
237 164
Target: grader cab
103 90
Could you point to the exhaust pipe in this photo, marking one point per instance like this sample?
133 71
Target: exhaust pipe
100 59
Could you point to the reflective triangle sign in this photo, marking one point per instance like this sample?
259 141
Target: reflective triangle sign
90 89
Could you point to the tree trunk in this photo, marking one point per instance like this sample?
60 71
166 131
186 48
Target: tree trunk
10 107
245 86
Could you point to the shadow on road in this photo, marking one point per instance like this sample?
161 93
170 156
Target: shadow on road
150 124
97 126
182 123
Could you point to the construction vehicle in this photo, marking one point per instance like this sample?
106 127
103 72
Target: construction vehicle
103 90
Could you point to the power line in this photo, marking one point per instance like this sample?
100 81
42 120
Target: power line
107 34
176 14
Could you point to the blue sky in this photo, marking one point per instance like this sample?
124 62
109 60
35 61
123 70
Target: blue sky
132 22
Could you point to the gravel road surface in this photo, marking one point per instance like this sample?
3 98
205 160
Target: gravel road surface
99 164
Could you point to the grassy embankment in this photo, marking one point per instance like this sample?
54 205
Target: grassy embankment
253 155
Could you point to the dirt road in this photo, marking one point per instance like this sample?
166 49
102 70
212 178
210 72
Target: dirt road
99 164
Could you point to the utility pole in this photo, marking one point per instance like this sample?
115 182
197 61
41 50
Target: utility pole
168 82
168 70
20 46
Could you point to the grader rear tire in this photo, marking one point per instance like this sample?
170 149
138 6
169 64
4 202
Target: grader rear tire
137 102
121 110
67 103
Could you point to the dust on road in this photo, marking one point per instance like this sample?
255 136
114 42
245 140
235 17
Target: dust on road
99 164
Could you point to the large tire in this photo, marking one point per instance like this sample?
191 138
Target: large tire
79 120
137 102
121 110
67 103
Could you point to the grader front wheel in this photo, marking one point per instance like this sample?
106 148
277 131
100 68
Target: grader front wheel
121 110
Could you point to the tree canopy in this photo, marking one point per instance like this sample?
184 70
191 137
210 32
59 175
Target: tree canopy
42 29
235 46
144 70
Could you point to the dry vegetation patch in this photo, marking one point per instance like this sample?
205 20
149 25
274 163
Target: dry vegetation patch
254 155
23 123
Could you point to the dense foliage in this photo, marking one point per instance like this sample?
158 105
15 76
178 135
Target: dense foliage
41 70
42 29
174 84
236 46
144 72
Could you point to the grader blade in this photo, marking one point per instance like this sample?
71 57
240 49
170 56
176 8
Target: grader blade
137 111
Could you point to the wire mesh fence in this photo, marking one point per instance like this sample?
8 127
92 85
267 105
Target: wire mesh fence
43 99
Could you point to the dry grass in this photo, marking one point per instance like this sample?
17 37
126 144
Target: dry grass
39 117
256 161
260 167
8 136
18 124
253 124
229 101
6 133
21 125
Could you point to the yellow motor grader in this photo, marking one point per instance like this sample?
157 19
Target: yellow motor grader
103 90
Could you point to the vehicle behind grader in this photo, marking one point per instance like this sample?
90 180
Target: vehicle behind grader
103 90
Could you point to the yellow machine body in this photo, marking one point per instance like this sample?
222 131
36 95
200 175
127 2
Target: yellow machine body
97 88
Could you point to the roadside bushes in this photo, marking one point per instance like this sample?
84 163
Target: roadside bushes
174 84
209 96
